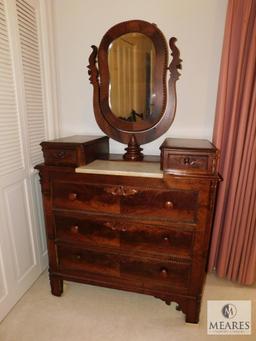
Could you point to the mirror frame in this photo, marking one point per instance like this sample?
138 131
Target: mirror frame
135 133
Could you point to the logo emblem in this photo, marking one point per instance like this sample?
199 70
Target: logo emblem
229 311
232 317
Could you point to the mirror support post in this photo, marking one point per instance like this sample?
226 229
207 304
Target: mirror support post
133 151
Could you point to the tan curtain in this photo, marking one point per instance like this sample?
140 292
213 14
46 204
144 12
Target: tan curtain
233 248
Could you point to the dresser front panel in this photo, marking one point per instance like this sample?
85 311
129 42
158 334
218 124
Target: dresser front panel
187 162
146 272
61 157
178 205
126 234
88 197
174 205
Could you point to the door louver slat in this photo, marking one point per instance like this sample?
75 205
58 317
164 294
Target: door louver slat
10 140
31 61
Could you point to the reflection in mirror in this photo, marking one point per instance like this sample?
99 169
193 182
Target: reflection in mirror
131 60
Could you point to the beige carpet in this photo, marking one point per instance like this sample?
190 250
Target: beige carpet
90 313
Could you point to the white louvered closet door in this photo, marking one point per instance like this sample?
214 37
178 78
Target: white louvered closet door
32 76
22 127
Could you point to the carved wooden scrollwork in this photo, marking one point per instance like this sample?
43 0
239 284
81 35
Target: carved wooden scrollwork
92 68
116 226
121 191
175 64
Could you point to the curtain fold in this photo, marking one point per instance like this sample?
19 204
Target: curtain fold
233 247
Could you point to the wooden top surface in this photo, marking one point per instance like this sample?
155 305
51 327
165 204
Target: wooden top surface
197 144
77 139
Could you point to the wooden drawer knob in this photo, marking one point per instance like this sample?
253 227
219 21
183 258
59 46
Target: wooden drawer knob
166 238
78 257
74 228
164 272
72 196
186 161
168 204
60 155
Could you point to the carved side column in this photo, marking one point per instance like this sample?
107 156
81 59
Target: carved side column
55 282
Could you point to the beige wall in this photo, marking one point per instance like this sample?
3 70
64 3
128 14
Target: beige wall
199 27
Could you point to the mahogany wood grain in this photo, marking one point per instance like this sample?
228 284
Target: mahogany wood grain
75 150
180 156
145 235
149 272
98 231
177 205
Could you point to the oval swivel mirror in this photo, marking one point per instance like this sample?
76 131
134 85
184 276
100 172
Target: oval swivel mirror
131 61
132 102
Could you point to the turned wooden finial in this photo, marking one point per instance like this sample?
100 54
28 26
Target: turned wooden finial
133 151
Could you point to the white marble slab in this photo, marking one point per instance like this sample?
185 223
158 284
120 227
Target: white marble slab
123 168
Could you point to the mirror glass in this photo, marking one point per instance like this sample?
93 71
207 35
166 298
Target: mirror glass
131 61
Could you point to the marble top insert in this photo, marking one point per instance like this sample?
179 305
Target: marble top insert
123 168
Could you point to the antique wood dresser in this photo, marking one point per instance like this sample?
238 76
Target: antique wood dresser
140 226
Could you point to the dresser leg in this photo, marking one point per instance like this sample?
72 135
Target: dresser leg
56 285
193 311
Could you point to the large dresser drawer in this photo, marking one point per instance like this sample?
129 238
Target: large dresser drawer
89 197
127 235
156 274
75 260
173 204
149 273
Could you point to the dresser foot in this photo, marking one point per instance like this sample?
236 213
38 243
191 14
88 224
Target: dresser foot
193 311
192 317
56 286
